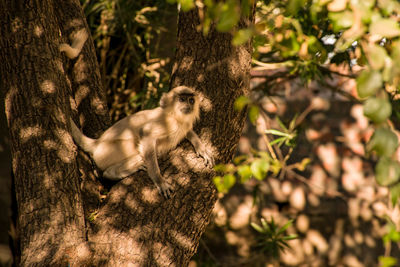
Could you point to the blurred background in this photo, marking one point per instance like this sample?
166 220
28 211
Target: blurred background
307 187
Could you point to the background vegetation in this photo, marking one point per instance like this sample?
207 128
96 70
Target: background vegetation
318 168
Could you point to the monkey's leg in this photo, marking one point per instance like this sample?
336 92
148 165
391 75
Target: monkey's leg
153 170
124 168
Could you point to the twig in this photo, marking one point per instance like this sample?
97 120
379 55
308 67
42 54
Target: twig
210 253
325 69
310 184
266 140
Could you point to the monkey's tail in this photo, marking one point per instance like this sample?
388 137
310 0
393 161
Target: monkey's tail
78 40
86 143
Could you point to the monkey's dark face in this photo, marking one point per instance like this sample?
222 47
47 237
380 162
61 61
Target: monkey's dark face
185 102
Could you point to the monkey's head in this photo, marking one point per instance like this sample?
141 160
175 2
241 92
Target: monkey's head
183 101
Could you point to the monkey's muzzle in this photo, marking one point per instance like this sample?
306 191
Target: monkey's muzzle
186 110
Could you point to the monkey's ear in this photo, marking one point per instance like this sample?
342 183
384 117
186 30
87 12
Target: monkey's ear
164 101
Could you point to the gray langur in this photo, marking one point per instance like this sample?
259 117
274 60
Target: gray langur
135 141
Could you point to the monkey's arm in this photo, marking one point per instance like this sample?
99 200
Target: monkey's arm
151 163
200 148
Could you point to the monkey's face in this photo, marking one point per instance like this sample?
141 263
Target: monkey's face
185 102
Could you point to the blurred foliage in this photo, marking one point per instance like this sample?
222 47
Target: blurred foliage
307 37
392 235
133 62
272 238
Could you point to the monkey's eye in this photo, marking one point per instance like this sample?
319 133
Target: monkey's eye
181 99
191 101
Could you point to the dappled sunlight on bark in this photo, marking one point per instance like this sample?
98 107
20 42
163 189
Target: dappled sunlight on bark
30 132
48 87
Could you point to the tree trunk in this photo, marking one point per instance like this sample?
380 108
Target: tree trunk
51 222
138 225
134 226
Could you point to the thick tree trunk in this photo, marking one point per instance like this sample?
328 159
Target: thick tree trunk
88 96
51 222
135 225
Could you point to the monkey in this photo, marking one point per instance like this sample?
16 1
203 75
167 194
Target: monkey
78 40
135 142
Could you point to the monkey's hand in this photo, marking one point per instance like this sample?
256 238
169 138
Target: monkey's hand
200 148
206 155
164 189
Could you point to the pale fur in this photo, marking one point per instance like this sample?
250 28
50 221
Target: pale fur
78 40
138 139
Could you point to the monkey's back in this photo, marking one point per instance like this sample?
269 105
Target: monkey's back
121 140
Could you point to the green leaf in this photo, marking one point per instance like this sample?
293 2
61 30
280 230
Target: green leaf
186 5
219 184
394 235
281 123
259 168
387 171
239 159
263 155
244 172
229 17
395 193
276 132
292 123
365 9
224 183
386 261
229 181
395 55
368 82
253 113
348 38
257 227
241 102
242 36
377 109
282 244
286 226
376 55
387 28
341 20
278 141
384 142
246 7
290 237
220 168
293 6
265 224
389 6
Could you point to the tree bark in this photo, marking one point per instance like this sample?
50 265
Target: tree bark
87 96
134 226
51 222
138 225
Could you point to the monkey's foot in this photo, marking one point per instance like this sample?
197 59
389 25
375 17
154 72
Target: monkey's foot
208 158
165 190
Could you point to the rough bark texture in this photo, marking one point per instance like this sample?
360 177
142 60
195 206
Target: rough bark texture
88 99
138 225
51 221
134 226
